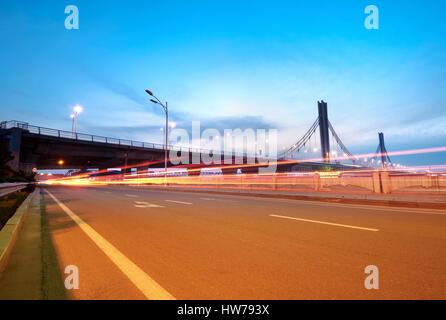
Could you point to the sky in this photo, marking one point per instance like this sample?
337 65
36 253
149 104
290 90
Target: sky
230 64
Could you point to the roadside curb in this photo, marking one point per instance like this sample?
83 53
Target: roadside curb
322 198
9 233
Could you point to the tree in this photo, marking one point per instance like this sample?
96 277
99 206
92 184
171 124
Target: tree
5 157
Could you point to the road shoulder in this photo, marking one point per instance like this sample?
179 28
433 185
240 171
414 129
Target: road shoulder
32 271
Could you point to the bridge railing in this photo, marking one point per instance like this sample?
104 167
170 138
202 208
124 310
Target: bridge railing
101 139
370 182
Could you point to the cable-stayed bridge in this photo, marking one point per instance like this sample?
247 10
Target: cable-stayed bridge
304 145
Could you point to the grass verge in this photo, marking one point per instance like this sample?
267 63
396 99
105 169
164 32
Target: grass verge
9 205
52 280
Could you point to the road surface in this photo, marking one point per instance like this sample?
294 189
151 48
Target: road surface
138 244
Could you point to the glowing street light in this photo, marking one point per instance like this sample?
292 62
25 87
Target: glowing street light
77 110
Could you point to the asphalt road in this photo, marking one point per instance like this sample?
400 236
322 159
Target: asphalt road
137 244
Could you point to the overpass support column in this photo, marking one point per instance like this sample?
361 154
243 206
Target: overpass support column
15 142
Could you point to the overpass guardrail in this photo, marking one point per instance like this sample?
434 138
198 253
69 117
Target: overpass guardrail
8 188
101 139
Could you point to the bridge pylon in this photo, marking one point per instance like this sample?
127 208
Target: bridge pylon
383 152
323 129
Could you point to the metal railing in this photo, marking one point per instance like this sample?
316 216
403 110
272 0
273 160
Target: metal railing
8 188
116 141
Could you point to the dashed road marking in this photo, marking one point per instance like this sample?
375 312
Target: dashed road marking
143 204
215 199
180 202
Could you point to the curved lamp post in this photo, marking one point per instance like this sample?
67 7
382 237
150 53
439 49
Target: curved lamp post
77 110
157 101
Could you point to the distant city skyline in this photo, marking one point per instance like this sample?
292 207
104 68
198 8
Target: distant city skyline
232 64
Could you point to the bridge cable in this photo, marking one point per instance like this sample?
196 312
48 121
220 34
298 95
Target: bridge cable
338 140
302 141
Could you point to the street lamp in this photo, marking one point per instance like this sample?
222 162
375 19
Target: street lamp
72 124
77 109
157 101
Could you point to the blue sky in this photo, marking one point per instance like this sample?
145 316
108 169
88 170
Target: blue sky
229 64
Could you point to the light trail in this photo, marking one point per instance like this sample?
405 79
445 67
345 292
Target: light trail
359 180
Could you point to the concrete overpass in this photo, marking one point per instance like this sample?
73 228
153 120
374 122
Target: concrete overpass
42 148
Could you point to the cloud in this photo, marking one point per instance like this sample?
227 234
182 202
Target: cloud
240 122
122 89
152 133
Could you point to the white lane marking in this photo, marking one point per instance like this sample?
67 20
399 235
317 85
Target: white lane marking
394 209
107 192
149 287
214 199
364 206
322 203
143 204
131 195
180 202
323 222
